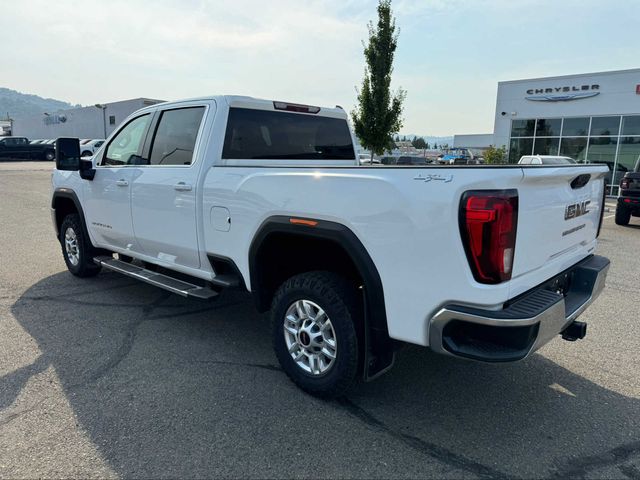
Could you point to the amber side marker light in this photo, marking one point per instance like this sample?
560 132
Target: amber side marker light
303 221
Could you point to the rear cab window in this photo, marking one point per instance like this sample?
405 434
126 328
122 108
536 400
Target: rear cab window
266 134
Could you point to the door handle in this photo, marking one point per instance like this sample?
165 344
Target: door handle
182 187
122 182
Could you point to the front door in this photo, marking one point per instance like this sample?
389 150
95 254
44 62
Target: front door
108 196
164 192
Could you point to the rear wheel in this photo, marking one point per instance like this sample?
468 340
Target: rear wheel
314 332
86 153
623 215
49 155
77 250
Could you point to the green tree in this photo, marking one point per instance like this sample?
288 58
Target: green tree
427 146
495 156
378 114
435 145
419 143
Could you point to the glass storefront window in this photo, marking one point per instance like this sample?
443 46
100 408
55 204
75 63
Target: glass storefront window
605 126
613 140
548 127
628 156
575 148
520 147
575 127
546 146
603 150
631 125
522 128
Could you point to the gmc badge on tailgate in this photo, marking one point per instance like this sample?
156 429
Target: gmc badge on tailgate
576 210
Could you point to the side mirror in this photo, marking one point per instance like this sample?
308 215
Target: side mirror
87 172
68 154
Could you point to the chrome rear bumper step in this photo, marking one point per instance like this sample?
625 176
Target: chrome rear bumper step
166 282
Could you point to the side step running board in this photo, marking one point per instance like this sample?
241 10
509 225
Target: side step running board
174 285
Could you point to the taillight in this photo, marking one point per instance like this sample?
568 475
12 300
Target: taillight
488 221
624 183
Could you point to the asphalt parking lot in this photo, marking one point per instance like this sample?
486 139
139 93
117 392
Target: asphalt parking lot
106 377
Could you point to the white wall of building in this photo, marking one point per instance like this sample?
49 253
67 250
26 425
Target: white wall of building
85 122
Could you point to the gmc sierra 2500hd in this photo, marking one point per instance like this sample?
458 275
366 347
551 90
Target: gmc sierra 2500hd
482 262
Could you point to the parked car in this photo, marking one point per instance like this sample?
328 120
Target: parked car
365 159
232 192
90 146
545 160
388 160
19 148
629 198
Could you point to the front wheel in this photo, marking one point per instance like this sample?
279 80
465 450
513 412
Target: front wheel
76 249
313 324
623 215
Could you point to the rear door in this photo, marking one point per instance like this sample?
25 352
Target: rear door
164 191
558 215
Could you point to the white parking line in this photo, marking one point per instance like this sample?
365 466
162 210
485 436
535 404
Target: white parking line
609 216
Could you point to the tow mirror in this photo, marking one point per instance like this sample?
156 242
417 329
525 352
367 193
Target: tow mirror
68 154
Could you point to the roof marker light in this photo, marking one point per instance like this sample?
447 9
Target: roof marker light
295 107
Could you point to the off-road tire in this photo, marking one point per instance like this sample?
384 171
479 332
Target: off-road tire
338 298
84 266
623 215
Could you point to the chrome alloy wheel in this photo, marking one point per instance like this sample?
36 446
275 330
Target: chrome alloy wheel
71 246
310 337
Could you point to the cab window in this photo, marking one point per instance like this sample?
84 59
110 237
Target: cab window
126 146
175 136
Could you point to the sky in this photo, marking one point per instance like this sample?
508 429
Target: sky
450 55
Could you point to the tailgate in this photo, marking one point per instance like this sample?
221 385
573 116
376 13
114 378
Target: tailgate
558 216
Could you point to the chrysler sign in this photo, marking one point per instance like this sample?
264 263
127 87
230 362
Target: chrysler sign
562 94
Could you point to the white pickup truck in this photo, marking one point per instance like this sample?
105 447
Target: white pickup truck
481 262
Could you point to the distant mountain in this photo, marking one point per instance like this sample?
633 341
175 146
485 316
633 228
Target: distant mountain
13 103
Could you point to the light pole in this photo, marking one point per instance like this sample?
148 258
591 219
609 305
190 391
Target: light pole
104 118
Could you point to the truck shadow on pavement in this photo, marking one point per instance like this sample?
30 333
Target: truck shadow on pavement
169 387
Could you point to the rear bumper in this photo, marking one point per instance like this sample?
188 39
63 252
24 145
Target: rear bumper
524 324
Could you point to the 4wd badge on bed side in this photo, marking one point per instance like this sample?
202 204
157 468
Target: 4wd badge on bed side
576 210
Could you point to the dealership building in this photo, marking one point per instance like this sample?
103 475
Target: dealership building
592 117
96 121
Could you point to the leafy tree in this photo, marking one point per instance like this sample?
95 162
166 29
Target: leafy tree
378 115
419 143
427 146
435 145
404 139
495 156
